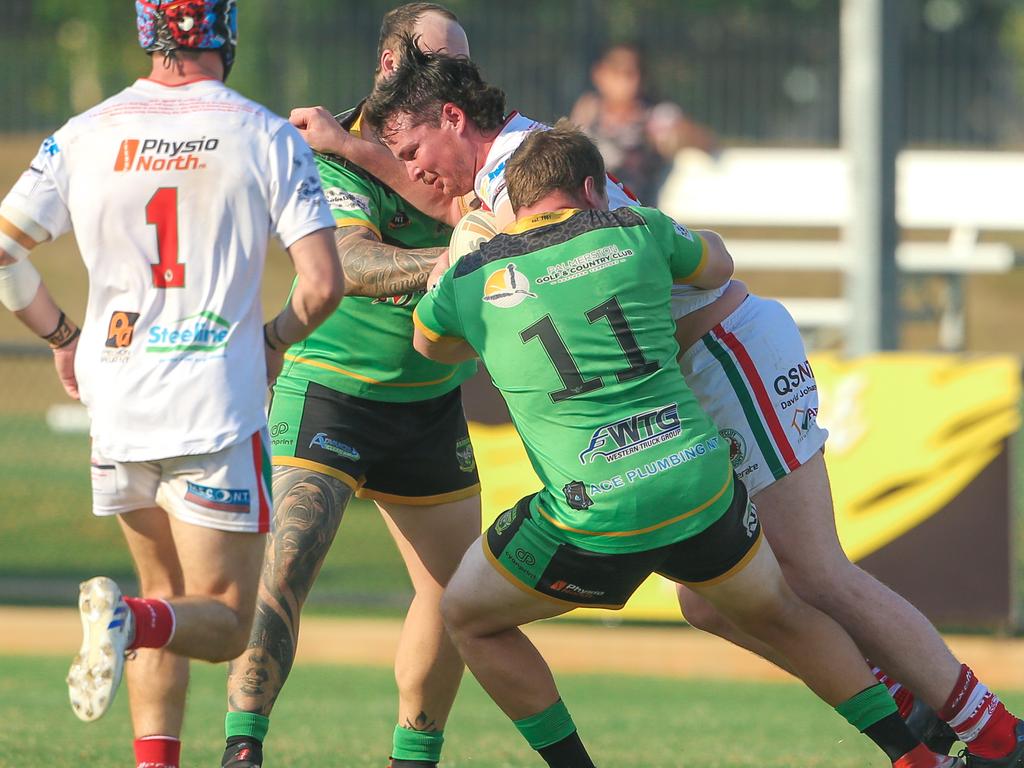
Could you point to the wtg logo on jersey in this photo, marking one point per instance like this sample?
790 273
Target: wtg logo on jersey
633 434
233 500
507 288
160 155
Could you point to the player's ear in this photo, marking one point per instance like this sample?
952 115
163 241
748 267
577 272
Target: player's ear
388 63
595 200
453 116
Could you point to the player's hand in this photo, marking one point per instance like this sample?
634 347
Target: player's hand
440 267
64 361
320 130
275 362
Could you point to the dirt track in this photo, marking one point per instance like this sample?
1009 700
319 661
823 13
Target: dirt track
660 652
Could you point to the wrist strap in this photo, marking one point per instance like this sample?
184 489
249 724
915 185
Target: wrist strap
63 334
269 333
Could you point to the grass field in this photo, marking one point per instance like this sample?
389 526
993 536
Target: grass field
331 715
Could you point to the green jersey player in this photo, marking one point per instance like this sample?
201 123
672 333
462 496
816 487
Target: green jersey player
357 411
570 312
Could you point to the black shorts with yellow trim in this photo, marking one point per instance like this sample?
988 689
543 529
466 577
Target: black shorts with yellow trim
531 555
415 453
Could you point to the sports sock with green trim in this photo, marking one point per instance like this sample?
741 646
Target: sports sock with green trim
248 724
874 713
553 734
415 749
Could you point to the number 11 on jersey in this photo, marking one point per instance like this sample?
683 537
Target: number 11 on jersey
162 212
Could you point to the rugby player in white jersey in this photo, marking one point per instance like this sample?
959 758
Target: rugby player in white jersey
745 361
172 187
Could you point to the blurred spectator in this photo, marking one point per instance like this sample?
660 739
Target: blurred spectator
637 137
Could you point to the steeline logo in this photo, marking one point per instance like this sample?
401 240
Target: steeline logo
202 332
234 500
633 434
321 440
161 155
507 288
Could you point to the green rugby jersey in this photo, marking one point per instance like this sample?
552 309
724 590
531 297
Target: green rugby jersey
570 313
365 348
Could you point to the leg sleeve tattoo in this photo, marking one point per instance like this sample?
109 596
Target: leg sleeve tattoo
308 507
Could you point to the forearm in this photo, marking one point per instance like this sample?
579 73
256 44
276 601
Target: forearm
45 319
376 269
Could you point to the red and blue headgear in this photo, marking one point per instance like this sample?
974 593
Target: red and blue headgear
205 25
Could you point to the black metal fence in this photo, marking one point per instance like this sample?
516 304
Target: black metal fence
757 71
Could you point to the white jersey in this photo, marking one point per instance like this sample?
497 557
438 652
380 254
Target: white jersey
172 193
490 186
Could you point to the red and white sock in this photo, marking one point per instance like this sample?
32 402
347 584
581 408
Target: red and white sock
157 752
901 695
154 622
979 717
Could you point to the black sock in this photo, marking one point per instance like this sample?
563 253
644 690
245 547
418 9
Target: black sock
567 753
892 736
232 756
411 764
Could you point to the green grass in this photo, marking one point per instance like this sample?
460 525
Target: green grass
344 716
49 536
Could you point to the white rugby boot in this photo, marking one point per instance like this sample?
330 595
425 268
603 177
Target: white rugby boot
107 628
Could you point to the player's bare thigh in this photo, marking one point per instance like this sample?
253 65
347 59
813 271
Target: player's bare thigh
432 539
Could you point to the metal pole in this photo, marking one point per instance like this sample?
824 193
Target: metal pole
870 90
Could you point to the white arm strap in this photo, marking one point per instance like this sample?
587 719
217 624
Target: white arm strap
19 280
18 284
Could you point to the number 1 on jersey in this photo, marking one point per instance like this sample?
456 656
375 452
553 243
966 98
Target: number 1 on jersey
162 212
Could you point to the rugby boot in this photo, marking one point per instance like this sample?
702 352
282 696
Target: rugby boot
922 757
929 729
242 752
107 628
1013 760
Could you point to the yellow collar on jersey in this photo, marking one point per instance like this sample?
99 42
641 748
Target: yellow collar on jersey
540 220
357 126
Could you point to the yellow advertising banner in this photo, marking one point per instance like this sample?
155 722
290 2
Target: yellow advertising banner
907 433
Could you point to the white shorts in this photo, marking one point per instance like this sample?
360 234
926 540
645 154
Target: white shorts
750 374
228 490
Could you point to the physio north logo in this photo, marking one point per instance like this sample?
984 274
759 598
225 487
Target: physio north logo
232 500
633 434
205 332
163 155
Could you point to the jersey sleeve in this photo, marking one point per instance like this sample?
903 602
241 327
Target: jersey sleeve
353 200
297 203
40 193
437 313
687 252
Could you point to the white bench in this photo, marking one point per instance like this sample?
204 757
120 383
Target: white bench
784 210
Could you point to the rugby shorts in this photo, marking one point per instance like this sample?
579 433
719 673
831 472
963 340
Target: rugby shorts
750 374
416 453
530 553
228 490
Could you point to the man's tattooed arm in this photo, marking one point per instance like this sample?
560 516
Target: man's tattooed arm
308 507
376 269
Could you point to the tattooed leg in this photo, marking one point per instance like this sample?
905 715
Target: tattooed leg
308 507
428 669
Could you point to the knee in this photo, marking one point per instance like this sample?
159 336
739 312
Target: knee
699 613
460 620
829 587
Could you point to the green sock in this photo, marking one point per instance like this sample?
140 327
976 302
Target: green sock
246 724
867 707
407 744
547 727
